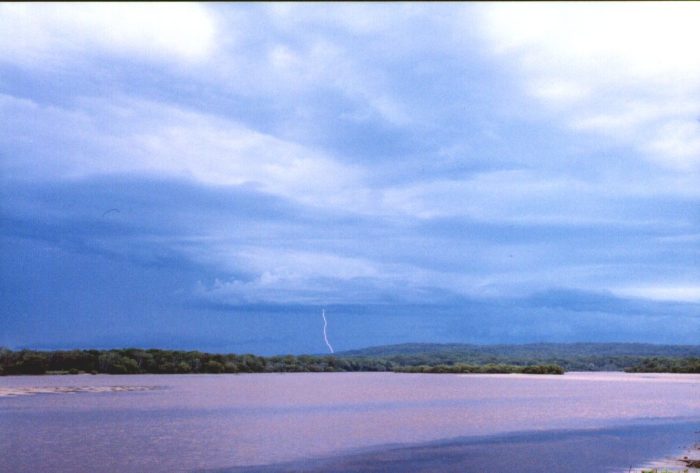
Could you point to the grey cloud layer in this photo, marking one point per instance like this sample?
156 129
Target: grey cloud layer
359 154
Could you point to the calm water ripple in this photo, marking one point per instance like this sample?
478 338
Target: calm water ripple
332 421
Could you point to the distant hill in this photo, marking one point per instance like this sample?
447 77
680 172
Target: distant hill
570 356
528 349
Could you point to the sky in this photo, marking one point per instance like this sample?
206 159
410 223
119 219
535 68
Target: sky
211 176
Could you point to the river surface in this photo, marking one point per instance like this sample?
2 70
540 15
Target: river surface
356 422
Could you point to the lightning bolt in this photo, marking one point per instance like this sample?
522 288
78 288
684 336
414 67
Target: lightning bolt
325 335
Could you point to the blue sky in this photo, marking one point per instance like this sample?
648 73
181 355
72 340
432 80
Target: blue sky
480 173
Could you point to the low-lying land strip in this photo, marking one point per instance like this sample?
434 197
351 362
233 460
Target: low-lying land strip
138 361
33 390
461 368
526 359
642 357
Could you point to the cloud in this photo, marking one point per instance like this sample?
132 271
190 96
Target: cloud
322 276
344 55
356 153
688 292
497 195
55 34
627 72
544 196
128 136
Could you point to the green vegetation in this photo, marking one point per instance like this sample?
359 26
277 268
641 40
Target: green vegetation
136 361
410 358
666 365
464 369
570 356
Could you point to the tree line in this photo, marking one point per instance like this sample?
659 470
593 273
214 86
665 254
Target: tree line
156 361
570 356
667 365
139 361
461 368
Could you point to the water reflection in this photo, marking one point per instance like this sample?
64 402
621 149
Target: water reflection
222 421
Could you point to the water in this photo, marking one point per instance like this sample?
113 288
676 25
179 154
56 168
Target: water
343 421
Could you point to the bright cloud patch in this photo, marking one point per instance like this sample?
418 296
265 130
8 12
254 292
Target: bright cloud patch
55 33
627 72
156 139
678 293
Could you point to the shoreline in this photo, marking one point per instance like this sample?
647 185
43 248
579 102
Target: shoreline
634 448
76 387
34 390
